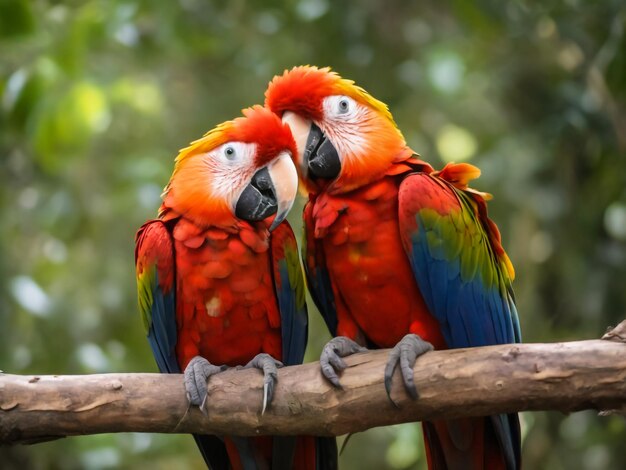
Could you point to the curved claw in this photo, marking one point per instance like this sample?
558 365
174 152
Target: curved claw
196 377
269 366
405 353
331 358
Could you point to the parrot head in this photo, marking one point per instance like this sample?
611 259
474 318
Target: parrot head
240 170
345 138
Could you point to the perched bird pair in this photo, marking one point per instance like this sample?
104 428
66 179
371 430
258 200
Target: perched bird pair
395 254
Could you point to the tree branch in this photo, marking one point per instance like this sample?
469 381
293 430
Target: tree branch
464 382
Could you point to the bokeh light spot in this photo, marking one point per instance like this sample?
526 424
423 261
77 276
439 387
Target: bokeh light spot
30 296
455 144
615 220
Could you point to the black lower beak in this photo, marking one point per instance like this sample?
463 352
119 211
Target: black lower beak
321 156
258 200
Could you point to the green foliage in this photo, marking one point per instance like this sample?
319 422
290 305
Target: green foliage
97 97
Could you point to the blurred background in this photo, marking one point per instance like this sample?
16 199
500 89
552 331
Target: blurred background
96 97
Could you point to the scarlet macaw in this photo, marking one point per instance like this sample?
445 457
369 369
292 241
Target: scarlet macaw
397 255
216 289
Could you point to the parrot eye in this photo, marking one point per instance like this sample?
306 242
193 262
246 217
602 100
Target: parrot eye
340 107
229 152
233 154
344 106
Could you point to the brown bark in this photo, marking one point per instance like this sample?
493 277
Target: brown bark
465 382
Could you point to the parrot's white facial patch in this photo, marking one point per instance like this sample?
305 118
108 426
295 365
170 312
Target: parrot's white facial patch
343 124
231 167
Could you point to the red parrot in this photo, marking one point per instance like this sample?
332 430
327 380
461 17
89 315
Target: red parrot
397 255
217 290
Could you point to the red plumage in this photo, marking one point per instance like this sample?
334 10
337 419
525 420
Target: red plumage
373 286
401 248
209 282
226 309
301 90
259 126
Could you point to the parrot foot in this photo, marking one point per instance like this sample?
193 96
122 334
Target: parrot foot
405 353
269 366
196 376
331 359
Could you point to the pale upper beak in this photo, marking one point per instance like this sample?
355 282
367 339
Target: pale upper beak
285 179
300 129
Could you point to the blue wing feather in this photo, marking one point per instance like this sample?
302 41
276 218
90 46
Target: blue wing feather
463 283
294 324
162 332
472 311
290 293
324 298
154 259
318 280
289 288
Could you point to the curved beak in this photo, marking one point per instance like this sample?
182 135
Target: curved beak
321 155
300 128
317 157
285 179
272 190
